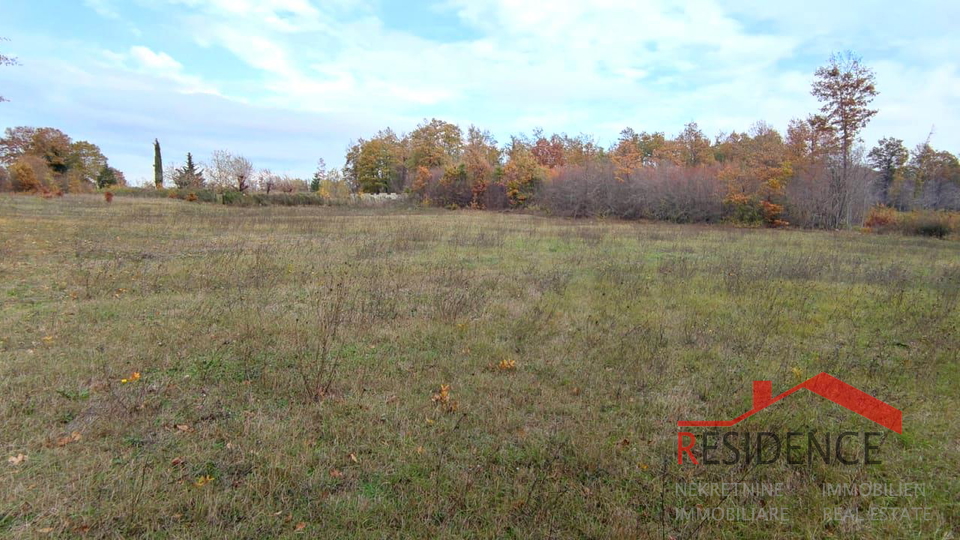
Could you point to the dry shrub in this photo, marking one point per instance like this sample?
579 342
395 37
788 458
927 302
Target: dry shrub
665 192
937 224
108 196
881 219
927 223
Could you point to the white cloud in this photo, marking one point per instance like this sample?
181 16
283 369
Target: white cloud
103 8
161 61
149 64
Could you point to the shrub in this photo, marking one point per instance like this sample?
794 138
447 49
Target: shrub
108 196
881 219
933 224
150 192
742 209
232 197
668 193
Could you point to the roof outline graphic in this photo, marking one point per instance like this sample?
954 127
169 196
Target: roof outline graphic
826 386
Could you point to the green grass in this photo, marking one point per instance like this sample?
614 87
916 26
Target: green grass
292 355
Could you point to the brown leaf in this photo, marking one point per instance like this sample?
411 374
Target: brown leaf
71 438
353 457
17 459
176 462
300 526
184 428
336 473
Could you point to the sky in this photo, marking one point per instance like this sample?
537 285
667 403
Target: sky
285 82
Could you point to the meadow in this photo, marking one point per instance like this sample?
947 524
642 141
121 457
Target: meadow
172 369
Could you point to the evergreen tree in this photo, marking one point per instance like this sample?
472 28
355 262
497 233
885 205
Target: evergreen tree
157 165
188 176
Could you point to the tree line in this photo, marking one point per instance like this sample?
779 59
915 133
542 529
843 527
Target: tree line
816 174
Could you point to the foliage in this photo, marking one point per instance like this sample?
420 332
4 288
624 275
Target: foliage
188 176
58 161
376 165
24 176
109 176
157 165
889 158
846 88
882 219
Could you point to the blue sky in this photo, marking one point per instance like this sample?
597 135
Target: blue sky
285 82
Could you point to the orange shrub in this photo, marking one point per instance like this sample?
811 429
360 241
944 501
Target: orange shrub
881 219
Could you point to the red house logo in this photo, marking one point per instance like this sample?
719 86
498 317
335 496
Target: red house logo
824 385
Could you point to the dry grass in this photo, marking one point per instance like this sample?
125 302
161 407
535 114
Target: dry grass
347 372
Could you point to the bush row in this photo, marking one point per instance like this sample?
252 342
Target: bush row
936 224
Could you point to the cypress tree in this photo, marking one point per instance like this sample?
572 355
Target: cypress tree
157 165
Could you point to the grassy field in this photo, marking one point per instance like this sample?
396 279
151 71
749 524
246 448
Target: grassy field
319 372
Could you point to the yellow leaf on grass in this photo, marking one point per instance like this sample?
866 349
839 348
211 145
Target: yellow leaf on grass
17 459
203 480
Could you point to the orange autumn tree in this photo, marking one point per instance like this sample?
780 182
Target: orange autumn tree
481 158
522 174
634 150
755 172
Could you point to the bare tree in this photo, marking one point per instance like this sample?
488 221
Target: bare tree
7 61
846 88
242 172
266 180
227 170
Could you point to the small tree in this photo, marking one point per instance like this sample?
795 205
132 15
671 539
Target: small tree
267 180
157 165
242 172
188 176
319 176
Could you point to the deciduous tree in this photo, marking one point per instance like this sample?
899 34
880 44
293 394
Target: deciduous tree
846 88
889 158
6 61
